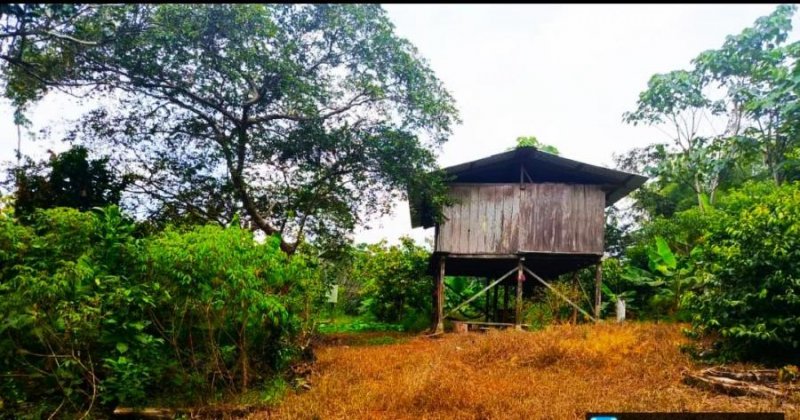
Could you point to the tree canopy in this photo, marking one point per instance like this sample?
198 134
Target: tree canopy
304 117
750 83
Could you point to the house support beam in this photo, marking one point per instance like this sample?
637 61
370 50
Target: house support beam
553 289
598 282
438 299
505 303
480 293
486 306
575 283
493 293
518 306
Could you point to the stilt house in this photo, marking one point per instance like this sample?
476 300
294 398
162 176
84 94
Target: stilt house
521 217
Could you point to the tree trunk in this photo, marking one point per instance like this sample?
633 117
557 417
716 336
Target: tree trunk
243 355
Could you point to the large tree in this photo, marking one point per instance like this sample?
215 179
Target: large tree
695 157
751 83
305 117
758 72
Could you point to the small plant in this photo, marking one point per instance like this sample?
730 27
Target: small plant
789 373
359 326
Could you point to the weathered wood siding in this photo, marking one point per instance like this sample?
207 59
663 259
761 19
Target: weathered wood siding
504 219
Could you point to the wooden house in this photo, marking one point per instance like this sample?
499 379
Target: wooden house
523 211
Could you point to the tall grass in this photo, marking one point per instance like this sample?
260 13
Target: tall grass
560 372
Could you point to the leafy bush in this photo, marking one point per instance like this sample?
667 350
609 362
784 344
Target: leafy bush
657 290
660 267
68 179
232 306
751 299
682 233
91 315
396 285
74 316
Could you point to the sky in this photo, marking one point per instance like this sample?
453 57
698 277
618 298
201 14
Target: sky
562 73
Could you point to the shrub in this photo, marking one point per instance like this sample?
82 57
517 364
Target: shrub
73 315
395 279
751 299
660 267
232 305
91 315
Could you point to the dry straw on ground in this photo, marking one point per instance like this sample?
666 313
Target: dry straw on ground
559 373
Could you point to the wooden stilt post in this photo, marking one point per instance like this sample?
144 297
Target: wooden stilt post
505 303
439 307
486 306
494 303
598 281
566 299
486 290
518 306
434 300
574 287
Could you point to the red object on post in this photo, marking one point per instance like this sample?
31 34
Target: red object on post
521 276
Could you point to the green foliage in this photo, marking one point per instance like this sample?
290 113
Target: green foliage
381 286
710 240
68 179
751 81
74 318
667 192
659 266
457 289
92 316
532 141
236 300
667 95
48 39
303 117
750 300
661 288
359 326
396 285
759 72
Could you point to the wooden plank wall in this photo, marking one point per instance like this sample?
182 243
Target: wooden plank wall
504 219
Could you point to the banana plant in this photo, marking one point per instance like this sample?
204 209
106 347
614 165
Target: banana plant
459 289
666 280
610 299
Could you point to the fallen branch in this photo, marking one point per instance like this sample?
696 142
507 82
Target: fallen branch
726 381
212 411
437 334
756 375
145 412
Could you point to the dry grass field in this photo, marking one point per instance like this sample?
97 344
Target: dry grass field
559 373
